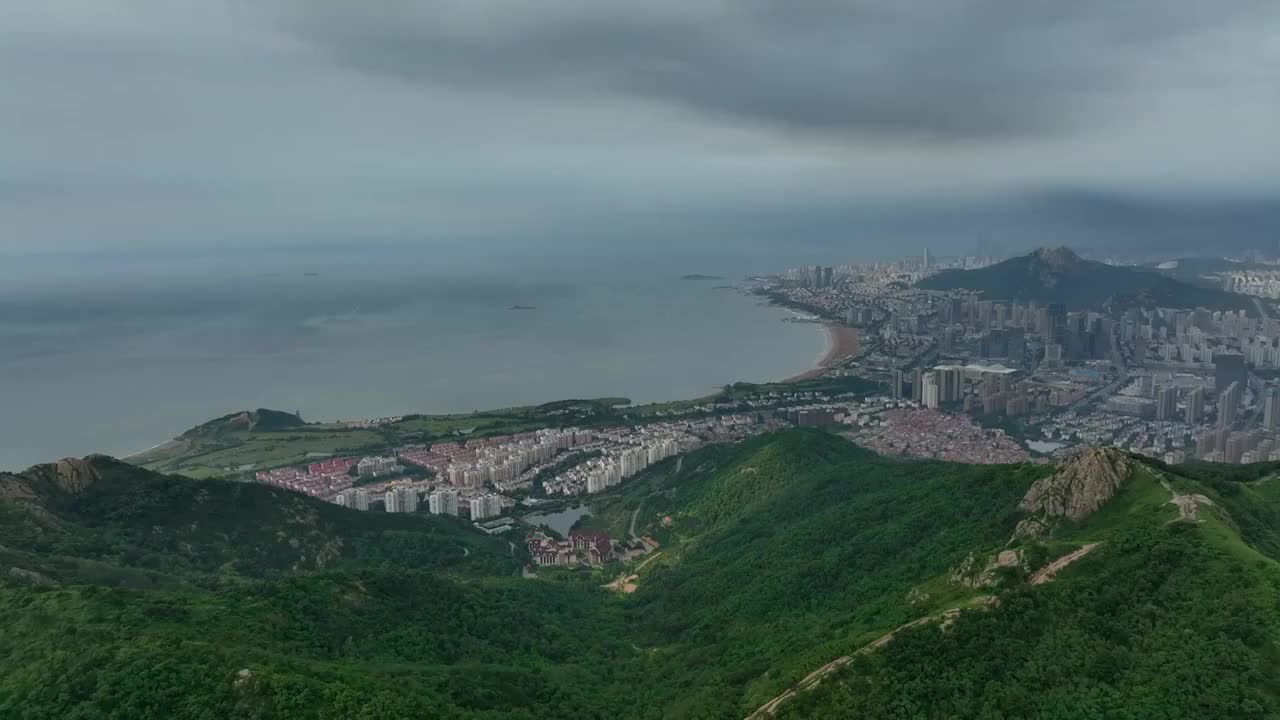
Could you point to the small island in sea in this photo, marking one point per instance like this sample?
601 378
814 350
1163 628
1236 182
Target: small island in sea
696 276
522 307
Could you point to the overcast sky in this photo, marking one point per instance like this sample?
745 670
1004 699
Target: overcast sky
475 125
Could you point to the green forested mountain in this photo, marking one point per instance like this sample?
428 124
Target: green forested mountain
1058 275
128 594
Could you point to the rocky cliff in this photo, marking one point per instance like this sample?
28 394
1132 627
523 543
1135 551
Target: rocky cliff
1081 485
70 476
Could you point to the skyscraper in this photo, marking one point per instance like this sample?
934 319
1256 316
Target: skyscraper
1195 406
1057 323
1228 406
1017 344
1271 409
1229 368
950 383
896 380
930 391
1166 402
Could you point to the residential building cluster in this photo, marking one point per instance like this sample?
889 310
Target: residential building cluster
624 451
1226 446
927 433
500 461
318 479
1262 283
377 466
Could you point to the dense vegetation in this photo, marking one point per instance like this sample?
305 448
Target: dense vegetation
1059 276
143 596
1165 620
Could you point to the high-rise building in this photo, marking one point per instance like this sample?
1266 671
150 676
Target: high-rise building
951 338
1229 368
408 498
1166 402
930 391
1228 406
895 384
949 380
1147 386
392 501
485 507
1017 347
1195 406
1206 443
1271 409
1234 449
1052 355
917 386
1056 318
443 502
362 499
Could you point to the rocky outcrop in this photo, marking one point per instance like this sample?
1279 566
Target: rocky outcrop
29 577
13 487
70 475
1081 485
979 572
73 475
1029 529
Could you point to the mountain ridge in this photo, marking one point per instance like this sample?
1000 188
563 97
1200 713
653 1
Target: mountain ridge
778 555
1059 275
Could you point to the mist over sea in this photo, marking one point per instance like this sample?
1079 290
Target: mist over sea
119 354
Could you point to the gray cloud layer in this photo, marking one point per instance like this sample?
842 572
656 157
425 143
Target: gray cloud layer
984 69
474 124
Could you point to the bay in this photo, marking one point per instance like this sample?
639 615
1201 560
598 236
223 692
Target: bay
121 355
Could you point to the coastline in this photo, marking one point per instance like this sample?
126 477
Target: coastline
843 342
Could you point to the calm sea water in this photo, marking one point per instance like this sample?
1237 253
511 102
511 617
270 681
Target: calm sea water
115 356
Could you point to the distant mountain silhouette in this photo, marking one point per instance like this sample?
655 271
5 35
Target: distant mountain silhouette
1059 275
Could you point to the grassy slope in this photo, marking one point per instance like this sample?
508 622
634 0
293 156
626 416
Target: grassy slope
1140 628
800 548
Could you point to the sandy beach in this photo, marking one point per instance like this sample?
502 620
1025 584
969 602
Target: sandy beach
842 343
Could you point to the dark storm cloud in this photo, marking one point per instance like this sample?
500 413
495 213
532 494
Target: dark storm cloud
496 127
964 69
